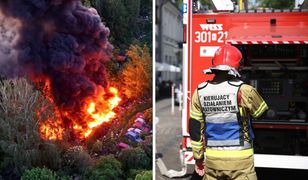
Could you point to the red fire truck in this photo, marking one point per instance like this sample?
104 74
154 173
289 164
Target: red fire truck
274 44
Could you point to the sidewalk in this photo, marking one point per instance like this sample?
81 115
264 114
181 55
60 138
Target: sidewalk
168 137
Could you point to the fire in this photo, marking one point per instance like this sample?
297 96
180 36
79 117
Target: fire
99 115
97 110
51 130
66 59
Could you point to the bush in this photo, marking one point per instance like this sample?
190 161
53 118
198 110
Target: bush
39 174
147 146
107 167
96 147
133 172
145 175
76 160
135 158
109 143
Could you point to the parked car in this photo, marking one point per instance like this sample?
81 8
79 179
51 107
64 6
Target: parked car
132 136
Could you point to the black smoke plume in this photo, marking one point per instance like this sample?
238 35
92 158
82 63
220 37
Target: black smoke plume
59 41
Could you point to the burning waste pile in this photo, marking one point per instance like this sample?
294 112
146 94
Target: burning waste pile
60 46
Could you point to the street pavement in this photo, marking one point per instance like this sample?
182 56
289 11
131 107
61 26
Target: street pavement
168 138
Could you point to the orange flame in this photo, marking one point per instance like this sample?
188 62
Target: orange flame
98 114
97 110
51 130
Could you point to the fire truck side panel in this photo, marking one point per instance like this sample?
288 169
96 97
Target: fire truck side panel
251 32
243 27
209 31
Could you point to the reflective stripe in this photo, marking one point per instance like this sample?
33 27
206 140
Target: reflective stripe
223 142
196 113
246 145
196 144
242 112
221 118
196 118
236 153
260 110
197 148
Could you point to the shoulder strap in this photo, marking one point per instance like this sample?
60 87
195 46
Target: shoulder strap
202 85
235 83
239 94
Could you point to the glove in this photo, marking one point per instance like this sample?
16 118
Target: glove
199 168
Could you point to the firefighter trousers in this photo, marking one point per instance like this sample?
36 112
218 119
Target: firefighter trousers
243 174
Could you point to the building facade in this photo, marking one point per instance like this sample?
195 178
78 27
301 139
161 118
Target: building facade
169 38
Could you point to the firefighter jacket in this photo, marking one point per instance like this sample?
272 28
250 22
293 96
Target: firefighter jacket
220 119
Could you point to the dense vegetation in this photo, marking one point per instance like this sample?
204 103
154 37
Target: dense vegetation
23 154
130 21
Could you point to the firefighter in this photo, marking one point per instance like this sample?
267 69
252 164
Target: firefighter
220 120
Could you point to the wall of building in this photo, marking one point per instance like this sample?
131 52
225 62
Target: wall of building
169 33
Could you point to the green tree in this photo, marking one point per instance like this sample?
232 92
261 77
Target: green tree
144 23
107 167
146 145
206 2
135 158
285 4
121 17
76 160
129 21
144 175
39 174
